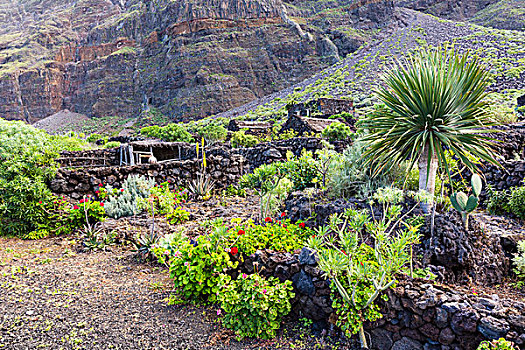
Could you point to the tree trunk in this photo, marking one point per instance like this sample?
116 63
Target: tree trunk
427 176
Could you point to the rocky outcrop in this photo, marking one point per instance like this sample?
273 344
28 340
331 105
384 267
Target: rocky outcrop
103 58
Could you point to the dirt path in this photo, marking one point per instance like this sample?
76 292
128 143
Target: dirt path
53 297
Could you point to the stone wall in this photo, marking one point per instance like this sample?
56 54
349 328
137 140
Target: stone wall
79 182
512 174
89 158
418 314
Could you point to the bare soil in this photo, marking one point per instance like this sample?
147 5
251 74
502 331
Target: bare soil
53 296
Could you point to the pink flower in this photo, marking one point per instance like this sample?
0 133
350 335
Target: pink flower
75 207
100 185
264 291
186 263
219 312
97 191
177 254
39 202
244 275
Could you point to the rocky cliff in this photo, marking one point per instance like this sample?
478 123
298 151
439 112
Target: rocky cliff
184 58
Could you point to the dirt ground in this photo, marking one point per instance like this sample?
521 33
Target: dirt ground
54 296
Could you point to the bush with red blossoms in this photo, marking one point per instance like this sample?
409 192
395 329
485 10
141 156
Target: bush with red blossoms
280 235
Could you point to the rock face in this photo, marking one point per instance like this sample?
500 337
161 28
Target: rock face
103 58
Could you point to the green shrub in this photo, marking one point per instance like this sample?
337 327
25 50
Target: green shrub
302 171
254 306
517 201
500 344
361 270
196 266
169 133
86 212
280 235
27 162
337 131
94 138
498 201
519 260
213 132
112 144
239 139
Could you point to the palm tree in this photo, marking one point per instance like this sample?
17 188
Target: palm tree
433 102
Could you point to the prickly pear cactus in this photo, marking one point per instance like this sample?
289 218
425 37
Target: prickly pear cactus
466 204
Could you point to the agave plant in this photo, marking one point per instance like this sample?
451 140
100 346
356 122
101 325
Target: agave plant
433 102
202 186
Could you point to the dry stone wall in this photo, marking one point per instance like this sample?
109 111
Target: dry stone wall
79 182
418 314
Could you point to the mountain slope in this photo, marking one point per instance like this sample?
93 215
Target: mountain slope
355 77
184 58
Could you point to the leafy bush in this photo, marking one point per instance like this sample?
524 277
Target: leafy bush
513 201
170 133
254 306
112 144
178 216
87 212
361 272
212 132
517 201
302 171
498 201
196 266
281 235
519 260
337 131
239 139
500 344
27 162
94 138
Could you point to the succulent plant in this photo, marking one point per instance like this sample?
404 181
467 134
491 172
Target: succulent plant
465 204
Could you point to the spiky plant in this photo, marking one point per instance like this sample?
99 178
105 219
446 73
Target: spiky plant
434 101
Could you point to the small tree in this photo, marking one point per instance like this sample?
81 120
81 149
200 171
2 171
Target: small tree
360 272
434 101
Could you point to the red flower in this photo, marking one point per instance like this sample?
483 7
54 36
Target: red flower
241 232
75 207
101 204
234 250
302 225
121 190
283 215
100 185
39 202
268 219
97 192
343 251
